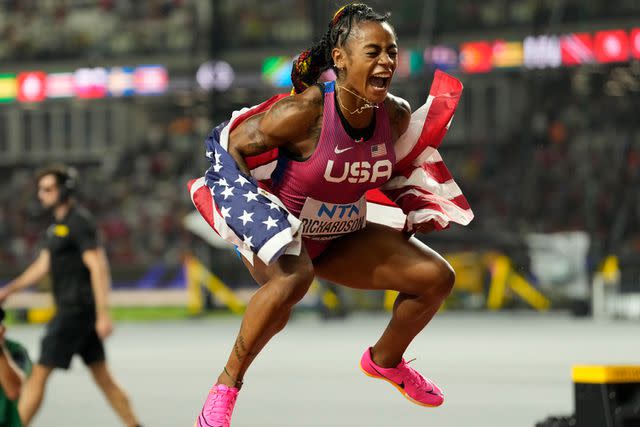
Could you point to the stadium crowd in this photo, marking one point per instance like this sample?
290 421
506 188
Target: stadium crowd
572 166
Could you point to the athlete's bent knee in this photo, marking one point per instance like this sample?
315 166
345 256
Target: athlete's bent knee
444 280
433 278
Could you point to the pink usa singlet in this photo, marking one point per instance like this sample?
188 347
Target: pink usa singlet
327 190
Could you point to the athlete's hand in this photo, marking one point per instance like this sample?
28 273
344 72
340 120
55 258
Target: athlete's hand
104 325
427 227
2 332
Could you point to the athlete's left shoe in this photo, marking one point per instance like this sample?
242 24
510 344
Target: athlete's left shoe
407 380
218 408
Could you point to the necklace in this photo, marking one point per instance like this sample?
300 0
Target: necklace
359 110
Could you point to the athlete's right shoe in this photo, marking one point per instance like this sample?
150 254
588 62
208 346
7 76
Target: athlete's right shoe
407 380
218 408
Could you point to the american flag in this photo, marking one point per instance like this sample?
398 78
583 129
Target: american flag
258 222
378 150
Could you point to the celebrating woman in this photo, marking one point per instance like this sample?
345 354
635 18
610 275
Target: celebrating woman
316 154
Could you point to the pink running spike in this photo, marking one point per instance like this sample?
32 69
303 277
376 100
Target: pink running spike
218 408
407 380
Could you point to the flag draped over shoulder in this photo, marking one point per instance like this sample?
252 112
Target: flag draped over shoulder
422 189
244 213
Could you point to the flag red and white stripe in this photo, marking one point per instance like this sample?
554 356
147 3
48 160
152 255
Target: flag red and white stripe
422 188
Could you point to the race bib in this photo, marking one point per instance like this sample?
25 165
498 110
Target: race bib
324 221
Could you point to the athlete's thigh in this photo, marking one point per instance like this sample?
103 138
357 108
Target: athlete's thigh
379 257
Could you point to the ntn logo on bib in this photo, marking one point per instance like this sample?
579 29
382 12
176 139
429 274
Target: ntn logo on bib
331 210
321 220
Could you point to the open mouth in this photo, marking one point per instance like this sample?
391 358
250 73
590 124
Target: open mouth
379 82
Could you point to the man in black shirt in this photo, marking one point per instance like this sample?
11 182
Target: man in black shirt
81 281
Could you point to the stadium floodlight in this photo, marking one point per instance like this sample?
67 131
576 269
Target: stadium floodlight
215 75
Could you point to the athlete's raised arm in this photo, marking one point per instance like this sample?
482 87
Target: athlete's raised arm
287 123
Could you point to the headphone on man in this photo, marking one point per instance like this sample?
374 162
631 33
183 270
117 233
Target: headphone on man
67 180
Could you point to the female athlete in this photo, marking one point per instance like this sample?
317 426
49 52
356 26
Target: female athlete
334 141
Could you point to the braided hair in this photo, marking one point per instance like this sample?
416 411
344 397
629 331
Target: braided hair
314 61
